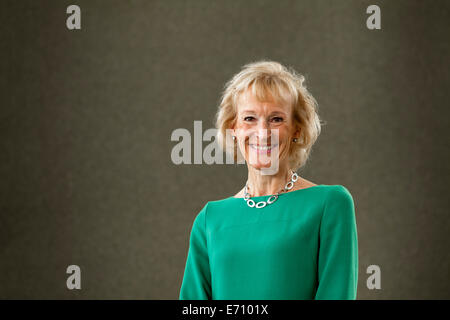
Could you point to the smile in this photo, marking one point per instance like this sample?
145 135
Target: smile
263 148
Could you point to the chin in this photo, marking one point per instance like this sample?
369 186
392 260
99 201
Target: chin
259 166
257 155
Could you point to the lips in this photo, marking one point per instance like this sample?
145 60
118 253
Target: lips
263 147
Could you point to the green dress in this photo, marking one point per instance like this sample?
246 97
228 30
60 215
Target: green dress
302 246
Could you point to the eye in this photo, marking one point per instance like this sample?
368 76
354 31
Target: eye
277 119
249 118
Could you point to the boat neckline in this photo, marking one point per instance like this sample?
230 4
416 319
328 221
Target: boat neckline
269 195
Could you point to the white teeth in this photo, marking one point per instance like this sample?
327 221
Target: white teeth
262 147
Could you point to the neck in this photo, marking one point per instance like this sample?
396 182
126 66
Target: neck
262 185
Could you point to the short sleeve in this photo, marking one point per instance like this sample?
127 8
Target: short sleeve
196 284
338 248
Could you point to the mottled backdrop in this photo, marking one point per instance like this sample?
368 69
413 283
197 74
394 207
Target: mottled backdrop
86 175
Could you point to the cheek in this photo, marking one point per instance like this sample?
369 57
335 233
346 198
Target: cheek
283 136
243 132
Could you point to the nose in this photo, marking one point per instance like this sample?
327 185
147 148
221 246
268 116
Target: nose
263 132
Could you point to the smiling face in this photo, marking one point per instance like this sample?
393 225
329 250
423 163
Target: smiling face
263 129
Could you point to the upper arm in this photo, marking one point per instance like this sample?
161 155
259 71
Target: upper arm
338 247
196 284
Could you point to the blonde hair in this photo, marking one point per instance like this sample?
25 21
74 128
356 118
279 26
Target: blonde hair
270 80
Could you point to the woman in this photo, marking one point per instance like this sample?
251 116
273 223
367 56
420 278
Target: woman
281 236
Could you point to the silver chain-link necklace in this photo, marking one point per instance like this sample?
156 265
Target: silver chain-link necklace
272 198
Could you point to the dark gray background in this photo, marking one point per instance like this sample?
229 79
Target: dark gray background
86 119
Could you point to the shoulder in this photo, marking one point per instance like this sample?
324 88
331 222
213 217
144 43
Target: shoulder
212 207
213 213
338 193
200 218
338 204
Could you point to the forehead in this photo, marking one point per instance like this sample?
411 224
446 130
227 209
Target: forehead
248 102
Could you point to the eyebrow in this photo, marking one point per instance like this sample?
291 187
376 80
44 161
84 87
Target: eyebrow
272 113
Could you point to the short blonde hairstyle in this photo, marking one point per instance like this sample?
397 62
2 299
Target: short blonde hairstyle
271 81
